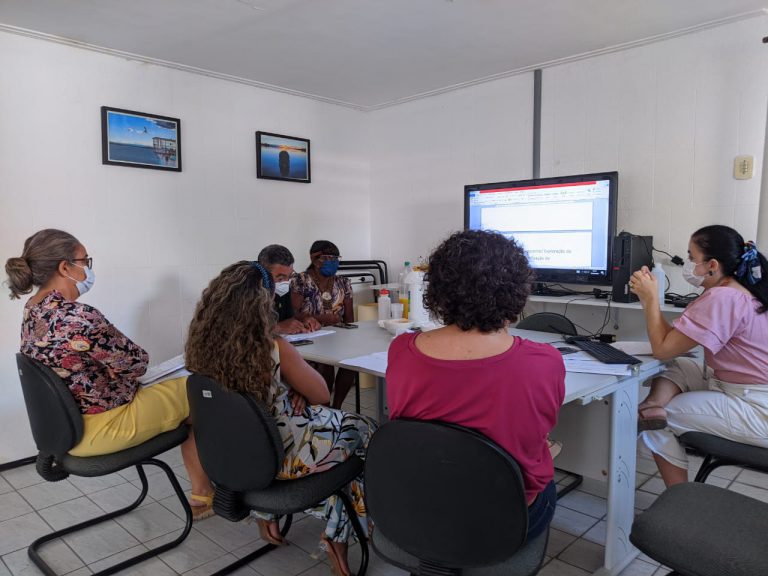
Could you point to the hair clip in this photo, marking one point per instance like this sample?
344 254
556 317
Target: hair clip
266 277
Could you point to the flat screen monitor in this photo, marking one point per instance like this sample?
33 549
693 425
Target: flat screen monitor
565 224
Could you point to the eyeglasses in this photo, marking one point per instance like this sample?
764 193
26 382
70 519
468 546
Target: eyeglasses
88 261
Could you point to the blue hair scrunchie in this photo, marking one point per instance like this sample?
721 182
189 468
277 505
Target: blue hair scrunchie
266 277
749 267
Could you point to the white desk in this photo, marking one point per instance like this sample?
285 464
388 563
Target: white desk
618 395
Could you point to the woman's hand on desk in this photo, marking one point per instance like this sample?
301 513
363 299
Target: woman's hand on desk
311 324
645 286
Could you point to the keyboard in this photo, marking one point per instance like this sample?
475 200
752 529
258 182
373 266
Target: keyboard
606 353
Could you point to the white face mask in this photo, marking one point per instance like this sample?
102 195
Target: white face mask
689 273
282 288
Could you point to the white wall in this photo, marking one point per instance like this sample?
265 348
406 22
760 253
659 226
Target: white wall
157 238
670 117
425 151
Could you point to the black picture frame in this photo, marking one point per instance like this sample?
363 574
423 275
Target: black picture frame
281 157
140 140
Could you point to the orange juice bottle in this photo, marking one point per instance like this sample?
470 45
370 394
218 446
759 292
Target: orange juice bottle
404 302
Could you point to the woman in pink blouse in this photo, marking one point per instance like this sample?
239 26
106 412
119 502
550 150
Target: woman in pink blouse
729 396
99 364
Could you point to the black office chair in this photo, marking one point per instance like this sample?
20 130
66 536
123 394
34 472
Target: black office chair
703 530
57 427
446 500
721 452
241 451
548 322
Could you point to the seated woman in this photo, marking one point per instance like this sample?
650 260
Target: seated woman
320 294
729 397
100 365
231 339
472 372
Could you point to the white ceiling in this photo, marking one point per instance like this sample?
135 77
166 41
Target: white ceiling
365 53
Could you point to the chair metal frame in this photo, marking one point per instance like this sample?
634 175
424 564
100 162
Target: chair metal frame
55 465
233 504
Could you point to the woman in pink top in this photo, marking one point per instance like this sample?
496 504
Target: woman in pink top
472 372
729 396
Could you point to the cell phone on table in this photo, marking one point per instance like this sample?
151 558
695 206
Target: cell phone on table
302 342
346 325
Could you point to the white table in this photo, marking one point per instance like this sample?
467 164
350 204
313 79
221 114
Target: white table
583 452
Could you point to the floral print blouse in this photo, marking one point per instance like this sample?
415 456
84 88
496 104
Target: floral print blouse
341 289
97 361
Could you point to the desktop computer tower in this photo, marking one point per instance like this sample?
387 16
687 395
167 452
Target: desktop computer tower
630 253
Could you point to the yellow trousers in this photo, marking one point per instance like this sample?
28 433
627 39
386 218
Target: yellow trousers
154 410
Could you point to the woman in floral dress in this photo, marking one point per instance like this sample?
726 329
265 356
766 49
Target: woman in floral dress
320 293
231 341
99 364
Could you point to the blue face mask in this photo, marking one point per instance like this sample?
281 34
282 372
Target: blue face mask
84 285
329 268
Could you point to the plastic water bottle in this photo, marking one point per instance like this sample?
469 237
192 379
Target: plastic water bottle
402 275
416 311
661 280
404 297
384 304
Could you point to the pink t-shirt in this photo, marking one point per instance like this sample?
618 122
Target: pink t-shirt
726 323
512 398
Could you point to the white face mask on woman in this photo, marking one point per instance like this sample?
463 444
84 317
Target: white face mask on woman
84 285
689 273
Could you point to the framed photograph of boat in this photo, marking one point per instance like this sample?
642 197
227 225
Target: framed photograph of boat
280 157
139 140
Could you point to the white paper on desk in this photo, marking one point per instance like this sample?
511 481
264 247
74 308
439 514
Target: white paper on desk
583 362
306 335
634 348
376 362
172 368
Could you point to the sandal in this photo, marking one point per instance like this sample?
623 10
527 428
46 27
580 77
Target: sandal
266 535
651 418
203 510
336 565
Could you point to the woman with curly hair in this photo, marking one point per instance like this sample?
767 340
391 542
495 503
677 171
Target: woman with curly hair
472 372
231 340
100 365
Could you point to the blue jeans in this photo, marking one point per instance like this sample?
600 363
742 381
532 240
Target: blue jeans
542 509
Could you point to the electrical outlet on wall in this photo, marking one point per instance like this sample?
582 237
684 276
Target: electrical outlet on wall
742 167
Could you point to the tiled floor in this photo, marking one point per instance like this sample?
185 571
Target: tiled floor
30 507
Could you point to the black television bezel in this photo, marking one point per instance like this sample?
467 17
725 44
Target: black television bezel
563 275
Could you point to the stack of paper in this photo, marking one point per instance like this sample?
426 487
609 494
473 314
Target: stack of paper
172 368
306 335
376 362
583 362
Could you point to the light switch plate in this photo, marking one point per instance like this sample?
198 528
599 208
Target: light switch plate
742 167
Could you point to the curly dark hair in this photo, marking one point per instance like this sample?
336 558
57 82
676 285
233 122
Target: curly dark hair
478 280
230 336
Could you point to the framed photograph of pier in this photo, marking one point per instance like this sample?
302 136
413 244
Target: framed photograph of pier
139 140
280 157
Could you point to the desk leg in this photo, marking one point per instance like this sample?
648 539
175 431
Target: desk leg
382 412
619 552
